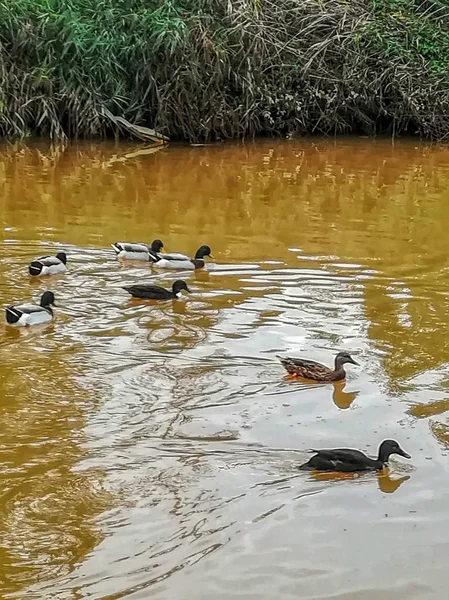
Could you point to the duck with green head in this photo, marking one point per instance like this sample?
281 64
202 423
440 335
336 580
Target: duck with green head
179 261
132 251
24 315
48 265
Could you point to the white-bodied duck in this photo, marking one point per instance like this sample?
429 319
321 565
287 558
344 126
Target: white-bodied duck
24 315
180 261
48 265
131 251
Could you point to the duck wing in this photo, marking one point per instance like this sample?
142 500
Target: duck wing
27 314
13 314
48 261
308 369
302 362
341 454
339 459
148 291
46 265
319 463
172 263
27 308
130 247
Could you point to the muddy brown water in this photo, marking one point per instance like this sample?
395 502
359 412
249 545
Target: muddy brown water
150 450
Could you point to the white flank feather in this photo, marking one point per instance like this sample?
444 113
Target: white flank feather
31 314
174 264
131 251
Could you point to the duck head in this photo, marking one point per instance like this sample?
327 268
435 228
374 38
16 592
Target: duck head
203 251
62 257
389 447
47 299
178 286
157 246
342 358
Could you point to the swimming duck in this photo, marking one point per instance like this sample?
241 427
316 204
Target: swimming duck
155 292
24 315
310 369
137 251
48 265
349 461
180 261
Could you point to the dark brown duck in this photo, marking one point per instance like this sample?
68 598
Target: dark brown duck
310 369
347 460
155 292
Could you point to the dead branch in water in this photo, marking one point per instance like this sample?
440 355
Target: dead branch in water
138 131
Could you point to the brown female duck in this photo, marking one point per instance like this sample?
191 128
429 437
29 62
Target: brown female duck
309 369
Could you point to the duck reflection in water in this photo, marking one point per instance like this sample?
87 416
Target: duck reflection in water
179 307
341 398
36 330
385 483
201 275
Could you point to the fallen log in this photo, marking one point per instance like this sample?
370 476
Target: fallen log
142 133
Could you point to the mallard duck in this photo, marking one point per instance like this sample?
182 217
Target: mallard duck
48 265
155 292
180 261
349 461
309 369
24 315
137 251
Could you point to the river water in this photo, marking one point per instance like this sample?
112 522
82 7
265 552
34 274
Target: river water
150 450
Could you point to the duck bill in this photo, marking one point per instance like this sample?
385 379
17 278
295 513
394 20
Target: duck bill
187 290
212 257
354 362
404 454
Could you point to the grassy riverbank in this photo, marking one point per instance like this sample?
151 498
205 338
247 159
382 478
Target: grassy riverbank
209 69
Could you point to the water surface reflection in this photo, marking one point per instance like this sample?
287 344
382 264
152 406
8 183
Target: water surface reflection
151 449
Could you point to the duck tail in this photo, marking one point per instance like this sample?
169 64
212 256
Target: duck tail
116 248
35 268
283 359
12 315
285 362
305 467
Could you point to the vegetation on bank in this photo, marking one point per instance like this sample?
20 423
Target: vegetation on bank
216 69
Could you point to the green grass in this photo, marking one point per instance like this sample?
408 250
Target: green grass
211 69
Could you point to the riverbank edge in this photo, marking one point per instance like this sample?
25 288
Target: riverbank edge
219 71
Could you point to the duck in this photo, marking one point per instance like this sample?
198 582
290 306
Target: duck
346 460
180 261
48 265
309 369
24 315
139 251
155 292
